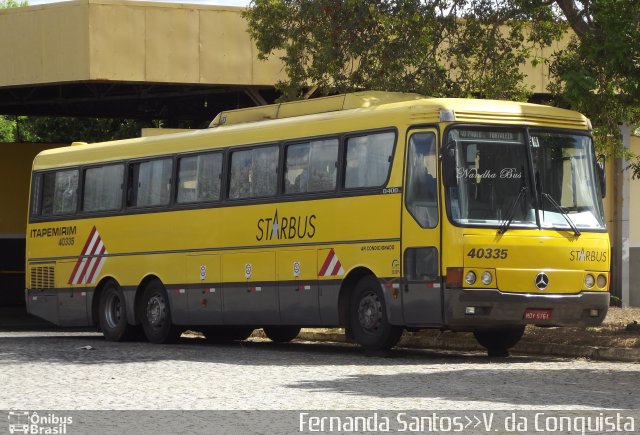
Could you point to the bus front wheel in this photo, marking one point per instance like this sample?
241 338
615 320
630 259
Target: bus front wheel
368 317
499 341
112 314
155 314
281 334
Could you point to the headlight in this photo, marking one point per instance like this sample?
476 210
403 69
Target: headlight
602 281
589 280
486 278
470 278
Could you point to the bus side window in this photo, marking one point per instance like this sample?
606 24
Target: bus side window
199 178
149 183
311 167
59 193
368 160
254 173
103 188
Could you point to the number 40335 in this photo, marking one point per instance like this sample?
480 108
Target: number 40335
495 253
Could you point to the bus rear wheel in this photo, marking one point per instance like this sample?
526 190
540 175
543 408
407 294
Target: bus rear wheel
155 314
281 334
225 334
368 317
112 313
499 341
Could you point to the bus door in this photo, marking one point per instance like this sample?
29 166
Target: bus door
421 288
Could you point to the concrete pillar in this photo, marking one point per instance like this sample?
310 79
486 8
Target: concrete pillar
621 243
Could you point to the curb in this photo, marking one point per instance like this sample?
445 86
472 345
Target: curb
450 342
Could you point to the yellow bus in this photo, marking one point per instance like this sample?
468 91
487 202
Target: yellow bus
377 212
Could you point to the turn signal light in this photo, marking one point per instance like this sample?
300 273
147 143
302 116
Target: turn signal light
454 277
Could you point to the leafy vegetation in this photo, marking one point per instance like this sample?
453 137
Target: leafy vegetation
66 129
460 48
455 48
599 72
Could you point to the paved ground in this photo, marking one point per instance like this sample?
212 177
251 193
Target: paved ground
52 370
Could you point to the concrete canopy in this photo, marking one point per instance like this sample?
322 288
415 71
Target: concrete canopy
147 60
112 58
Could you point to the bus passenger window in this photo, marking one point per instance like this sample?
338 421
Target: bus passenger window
103 188
199 178
254 173
368 160
149 183
60 193
311 167
421 184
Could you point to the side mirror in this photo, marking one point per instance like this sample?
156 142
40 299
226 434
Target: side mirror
449 164
600 173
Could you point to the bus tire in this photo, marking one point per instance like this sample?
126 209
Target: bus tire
155 315
499 341
368 317
281 334
225 334
112 313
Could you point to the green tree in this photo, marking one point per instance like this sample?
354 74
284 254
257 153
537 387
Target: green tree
599 73
460 48
65 129
5 4
7 129
453 48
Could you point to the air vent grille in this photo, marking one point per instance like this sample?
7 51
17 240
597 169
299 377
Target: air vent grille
42 277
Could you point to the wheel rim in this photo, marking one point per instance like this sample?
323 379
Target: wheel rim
370 312
113 311
156 311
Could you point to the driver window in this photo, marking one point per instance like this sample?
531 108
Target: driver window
421 186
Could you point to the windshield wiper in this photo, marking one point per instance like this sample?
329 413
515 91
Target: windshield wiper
504 226
564 214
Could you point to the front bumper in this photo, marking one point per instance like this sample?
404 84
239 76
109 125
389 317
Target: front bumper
494 308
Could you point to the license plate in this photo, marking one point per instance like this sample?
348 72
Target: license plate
537 315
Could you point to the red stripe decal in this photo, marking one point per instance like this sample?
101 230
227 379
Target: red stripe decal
91 262
336 268
96 264
86 245
327 262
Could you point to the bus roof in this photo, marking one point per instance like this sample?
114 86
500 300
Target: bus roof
465 109
356 100
286 121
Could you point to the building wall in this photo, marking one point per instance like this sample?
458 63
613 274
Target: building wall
634 233
118 40
43 44
16 174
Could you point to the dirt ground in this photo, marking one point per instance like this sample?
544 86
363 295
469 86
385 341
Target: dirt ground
612 333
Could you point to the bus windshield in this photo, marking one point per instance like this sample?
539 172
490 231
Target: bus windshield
496 184
564 170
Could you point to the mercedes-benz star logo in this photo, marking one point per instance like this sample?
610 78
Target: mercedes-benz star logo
542 281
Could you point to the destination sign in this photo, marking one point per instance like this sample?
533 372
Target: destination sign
492 135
